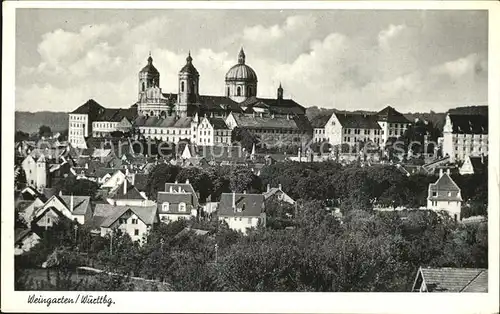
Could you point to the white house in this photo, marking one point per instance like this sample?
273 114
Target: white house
133 220
277 193
178 201
35 168
465 134
126 194
242 211
72 207
444 194
212 131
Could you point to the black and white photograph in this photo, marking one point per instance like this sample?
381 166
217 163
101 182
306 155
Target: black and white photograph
234 149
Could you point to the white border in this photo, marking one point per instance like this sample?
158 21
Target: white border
256 302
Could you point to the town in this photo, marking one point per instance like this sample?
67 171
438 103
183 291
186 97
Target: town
235 192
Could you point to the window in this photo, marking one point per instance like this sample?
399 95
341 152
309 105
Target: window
134 221
249 220
122 220
434 193
48 220
228 91
182 86
136 232
166 206
182 207
238 91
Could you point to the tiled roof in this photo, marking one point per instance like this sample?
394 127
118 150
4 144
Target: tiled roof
254 121
218 123
91 108
357 120
247 205
479 164
131 194
455 279
216 103
445 188
167 122
117 114
320 121
140 181
145 213
470 110
174 199
81 204
469 124
389 114
278 106
187 230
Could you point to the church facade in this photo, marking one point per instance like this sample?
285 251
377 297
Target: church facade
187 115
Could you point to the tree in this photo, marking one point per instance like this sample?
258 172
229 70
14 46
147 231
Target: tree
72 186
198 178
44 131
244 137
159 175
243 179
21 136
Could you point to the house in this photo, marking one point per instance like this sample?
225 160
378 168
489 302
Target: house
213 131
393 124
27 209
24 240
242 211
113 181
465 133
35 168
318 123
447 279
444 194
350 128
474 165
136 221
126 194
277 193
73 207
178 201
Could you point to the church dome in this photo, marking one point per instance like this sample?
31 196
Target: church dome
241 71
189 67
150 68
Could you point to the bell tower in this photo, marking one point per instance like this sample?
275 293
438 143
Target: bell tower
188 87
148 77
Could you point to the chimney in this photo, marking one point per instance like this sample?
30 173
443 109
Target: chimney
440 172
187 181
245 192
71 203
176 182
448 171
268 187
125 186
279 186
234 201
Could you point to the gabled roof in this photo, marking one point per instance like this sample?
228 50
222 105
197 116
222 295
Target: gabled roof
81 204
117 114
479 164
251 205
131 194
21 234
445 183
357 120
251 121
391 115
187 230
320 121
145 213
448 279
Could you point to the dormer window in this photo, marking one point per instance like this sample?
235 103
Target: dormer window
182 207
166 206
434 193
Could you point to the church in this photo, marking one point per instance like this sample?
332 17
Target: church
187 115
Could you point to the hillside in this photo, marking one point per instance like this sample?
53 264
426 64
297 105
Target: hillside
30 122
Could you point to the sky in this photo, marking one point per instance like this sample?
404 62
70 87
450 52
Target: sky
414 60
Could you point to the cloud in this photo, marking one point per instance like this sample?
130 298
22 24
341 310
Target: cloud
386 35
327 69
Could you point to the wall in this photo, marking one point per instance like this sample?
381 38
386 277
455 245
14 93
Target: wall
241 223
78 129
